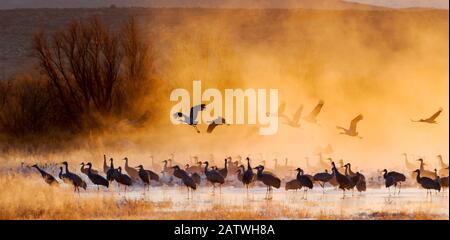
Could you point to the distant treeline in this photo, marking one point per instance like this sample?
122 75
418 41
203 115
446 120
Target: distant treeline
88 74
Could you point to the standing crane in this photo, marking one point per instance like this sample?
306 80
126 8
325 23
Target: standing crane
76 180
270 180
132 172
96 178
49 179
248 176
304 181
323 178
343 181
392 179
213 176
427 183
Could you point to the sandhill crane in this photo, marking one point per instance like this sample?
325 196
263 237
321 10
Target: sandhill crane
224 171
431 119
295 120
248 176
361 184
240 173
343 181
76 180
153 176
63 176
197 178
294 184
132 172
423 171
166 168
443 182
123 178
178 172
194 169
443 166
351 131
85 170
427 183
105 166
112 173
191 119
49 179
392 179
96 178
304 181
189 183
144 176
268 179
213 176
322 178
216 122
312 116
409 166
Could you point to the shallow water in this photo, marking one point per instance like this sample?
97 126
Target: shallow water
365 205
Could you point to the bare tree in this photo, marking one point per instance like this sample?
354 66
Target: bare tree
92 68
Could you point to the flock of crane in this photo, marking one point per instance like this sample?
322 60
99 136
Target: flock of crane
340 177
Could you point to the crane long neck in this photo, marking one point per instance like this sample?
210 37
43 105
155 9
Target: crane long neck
126 162
418 176
67 168
206 168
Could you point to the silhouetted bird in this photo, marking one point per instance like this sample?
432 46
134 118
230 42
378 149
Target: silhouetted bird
105 166
144 176
213 176
191 119
197 178
431 119
392 179
123 178
304 181
112 173
248 176
76 180
342 180
85 170
351 131
427 183
216 122
95 178
312 116
132 172
322 178
224 171
294 184
49 179
269 179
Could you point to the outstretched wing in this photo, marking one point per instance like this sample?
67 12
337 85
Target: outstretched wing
313 114
354 122
297 114
432 118
194 112
218 121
